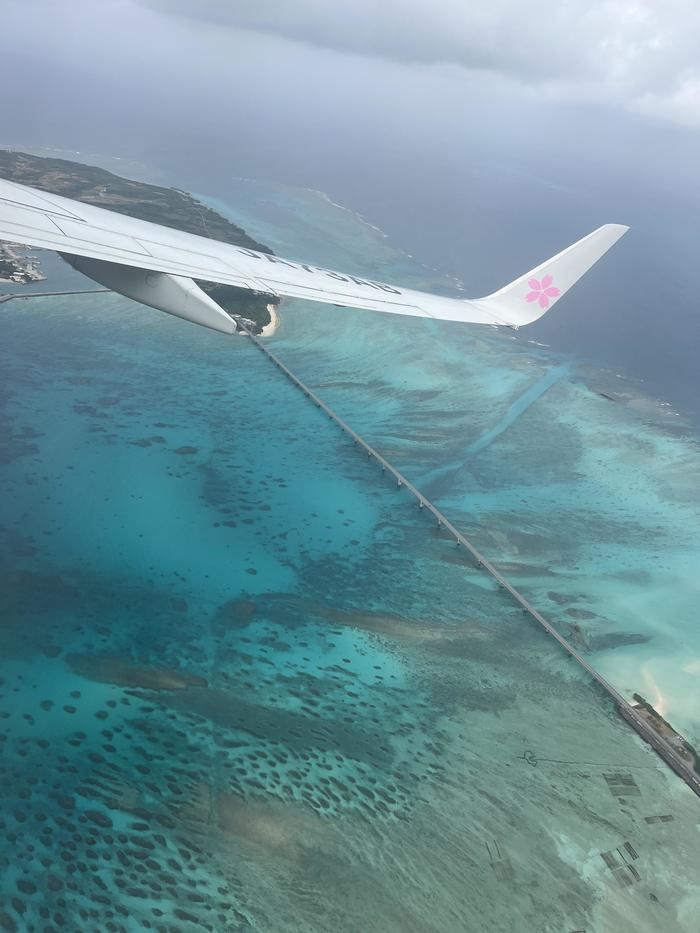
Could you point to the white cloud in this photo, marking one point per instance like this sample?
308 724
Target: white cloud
641 54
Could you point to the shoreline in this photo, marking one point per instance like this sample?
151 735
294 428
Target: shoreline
269 329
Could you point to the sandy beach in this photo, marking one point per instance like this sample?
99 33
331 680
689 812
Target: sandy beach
269 329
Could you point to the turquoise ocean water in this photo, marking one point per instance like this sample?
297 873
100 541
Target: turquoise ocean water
246 684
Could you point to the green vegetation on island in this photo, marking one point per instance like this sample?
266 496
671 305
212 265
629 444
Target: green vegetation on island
170 207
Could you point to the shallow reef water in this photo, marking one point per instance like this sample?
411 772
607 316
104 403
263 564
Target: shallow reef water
246 684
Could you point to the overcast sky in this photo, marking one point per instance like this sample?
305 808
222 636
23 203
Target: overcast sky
540 75
638 54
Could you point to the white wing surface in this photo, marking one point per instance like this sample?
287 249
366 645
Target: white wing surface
156 265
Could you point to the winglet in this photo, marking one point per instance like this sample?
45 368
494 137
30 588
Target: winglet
528 297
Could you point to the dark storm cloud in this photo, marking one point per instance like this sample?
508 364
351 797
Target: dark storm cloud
636 53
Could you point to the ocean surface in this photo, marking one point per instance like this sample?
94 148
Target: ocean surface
245 682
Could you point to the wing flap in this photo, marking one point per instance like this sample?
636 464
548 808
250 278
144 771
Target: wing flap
337 297
33 199
27 222
79 231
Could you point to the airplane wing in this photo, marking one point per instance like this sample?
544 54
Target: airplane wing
156 265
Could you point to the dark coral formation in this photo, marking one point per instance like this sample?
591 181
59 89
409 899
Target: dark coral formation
130 784
125 673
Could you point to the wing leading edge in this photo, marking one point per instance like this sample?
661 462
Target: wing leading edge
121 252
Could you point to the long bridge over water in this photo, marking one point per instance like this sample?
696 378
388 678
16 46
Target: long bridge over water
626 710
660 745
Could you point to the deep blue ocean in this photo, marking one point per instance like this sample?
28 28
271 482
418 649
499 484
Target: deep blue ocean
247 684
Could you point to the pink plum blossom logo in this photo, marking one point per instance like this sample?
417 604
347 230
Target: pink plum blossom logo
542 291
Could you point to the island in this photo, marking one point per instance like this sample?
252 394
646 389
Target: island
170 207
